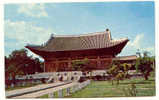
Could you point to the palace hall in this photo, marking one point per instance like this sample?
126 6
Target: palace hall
60 50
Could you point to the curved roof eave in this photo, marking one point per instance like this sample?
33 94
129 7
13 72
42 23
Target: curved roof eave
38 49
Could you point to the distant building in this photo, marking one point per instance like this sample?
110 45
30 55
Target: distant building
127 59
60 51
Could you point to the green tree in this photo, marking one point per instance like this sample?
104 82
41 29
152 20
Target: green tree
145 65
19 63
113 72
15 63
80 65
118 71
125 68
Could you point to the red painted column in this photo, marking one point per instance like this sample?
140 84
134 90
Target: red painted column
56 65
69 63
98 62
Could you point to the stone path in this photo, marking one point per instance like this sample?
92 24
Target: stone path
43 92
31 90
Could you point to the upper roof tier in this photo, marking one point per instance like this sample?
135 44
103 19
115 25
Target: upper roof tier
95 40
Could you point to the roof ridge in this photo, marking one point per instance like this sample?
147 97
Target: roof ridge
127 56
84 34
120 39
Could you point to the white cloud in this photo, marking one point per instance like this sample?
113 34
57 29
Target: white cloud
150 49
24 32
33 10
137 41
132 46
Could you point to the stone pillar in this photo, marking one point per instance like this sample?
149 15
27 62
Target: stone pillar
12 85
60 94
68 91
51 95
73 88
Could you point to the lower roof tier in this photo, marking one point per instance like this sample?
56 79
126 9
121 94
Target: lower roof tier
94 43
113 51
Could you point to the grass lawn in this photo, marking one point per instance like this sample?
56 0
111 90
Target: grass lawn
105 89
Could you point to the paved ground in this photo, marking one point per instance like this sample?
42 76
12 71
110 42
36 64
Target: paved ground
32 89
43 92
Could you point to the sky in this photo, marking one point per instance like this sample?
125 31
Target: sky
34 23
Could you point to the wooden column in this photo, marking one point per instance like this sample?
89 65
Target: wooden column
44 66
69 63
55 66
98 62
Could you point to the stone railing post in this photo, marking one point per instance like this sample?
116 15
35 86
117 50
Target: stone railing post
60 94
51 95
68 91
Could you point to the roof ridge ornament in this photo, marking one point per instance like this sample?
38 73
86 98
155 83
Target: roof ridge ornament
107 29
52 35
50 38
109 34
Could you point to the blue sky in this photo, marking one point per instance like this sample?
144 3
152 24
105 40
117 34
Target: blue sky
33 23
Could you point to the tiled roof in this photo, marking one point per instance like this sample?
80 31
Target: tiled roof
79 42
132 57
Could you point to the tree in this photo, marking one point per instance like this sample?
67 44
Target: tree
80 65
113 71
118 71
19 63
145 65
15 63
125 68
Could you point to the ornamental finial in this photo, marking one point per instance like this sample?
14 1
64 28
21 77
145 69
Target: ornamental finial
107 29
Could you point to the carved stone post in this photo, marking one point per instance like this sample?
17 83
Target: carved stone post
60 94
51 95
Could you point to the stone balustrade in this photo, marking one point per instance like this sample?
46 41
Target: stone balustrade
69 90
